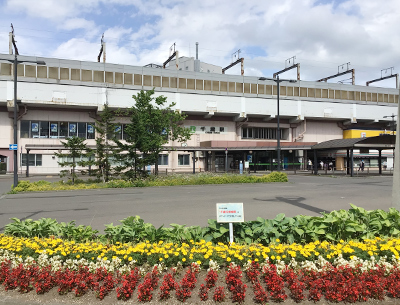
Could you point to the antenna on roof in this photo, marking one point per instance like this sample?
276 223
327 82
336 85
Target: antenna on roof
175 53
290 61
239 59
341 68
386 77
12 42
102 50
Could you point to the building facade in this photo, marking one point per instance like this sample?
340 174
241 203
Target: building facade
232 118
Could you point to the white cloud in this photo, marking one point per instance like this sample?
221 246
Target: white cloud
321 34
77 23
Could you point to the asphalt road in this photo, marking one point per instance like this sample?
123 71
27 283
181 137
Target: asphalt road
194 205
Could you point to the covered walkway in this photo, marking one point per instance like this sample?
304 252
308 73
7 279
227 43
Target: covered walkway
378 143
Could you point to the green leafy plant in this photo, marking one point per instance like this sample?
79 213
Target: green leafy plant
354 224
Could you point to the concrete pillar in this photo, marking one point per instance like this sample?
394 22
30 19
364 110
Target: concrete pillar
315 163
352 162
348 162
380 161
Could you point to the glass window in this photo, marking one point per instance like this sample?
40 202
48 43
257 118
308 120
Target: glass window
183 159
35 129
118 132
54 130
44 129
63 129
23 159
73 129
31 160
38 160
82 130
163 159
124 126
90 130
25 129
34 159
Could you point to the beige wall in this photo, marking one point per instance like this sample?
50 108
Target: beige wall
318 131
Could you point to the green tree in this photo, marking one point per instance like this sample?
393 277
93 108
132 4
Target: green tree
77 155
153 123
105 144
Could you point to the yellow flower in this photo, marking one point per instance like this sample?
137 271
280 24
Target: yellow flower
78 256
198 262
183 259
160 259
228 259
277 240
272 257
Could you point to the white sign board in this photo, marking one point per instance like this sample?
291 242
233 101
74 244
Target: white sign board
246 164
230 212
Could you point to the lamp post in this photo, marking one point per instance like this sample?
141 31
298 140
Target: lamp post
16 62
277 80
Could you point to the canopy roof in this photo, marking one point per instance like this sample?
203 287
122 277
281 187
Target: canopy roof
379 142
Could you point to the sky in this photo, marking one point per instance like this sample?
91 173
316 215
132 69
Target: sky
322 35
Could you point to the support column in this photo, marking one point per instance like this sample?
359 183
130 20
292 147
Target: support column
315 163
348 162
194 162
380 161
352 162
27 162
213 161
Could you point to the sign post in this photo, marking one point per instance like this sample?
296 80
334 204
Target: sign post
230 213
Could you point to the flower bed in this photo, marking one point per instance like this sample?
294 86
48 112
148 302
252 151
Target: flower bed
338 272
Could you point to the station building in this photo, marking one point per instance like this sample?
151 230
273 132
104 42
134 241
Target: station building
232 118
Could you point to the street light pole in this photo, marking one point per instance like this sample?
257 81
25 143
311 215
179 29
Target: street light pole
15 123
278 131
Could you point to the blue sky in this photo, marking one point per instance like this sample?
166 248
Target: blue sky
322 34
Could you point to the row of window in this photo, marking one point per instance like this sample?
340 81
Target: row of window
261 133
61 130
57 130
159 81
36 159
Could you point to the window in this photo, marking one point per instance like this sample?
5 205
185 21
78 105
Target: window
63 129
124 136
34 159
73 130
183 159
82 130
56 130
118 132
35 129
53 129
163 159
44 129
261 133
90 131
24 129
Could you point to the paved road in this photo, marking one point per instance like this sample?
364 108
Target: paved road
194 205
